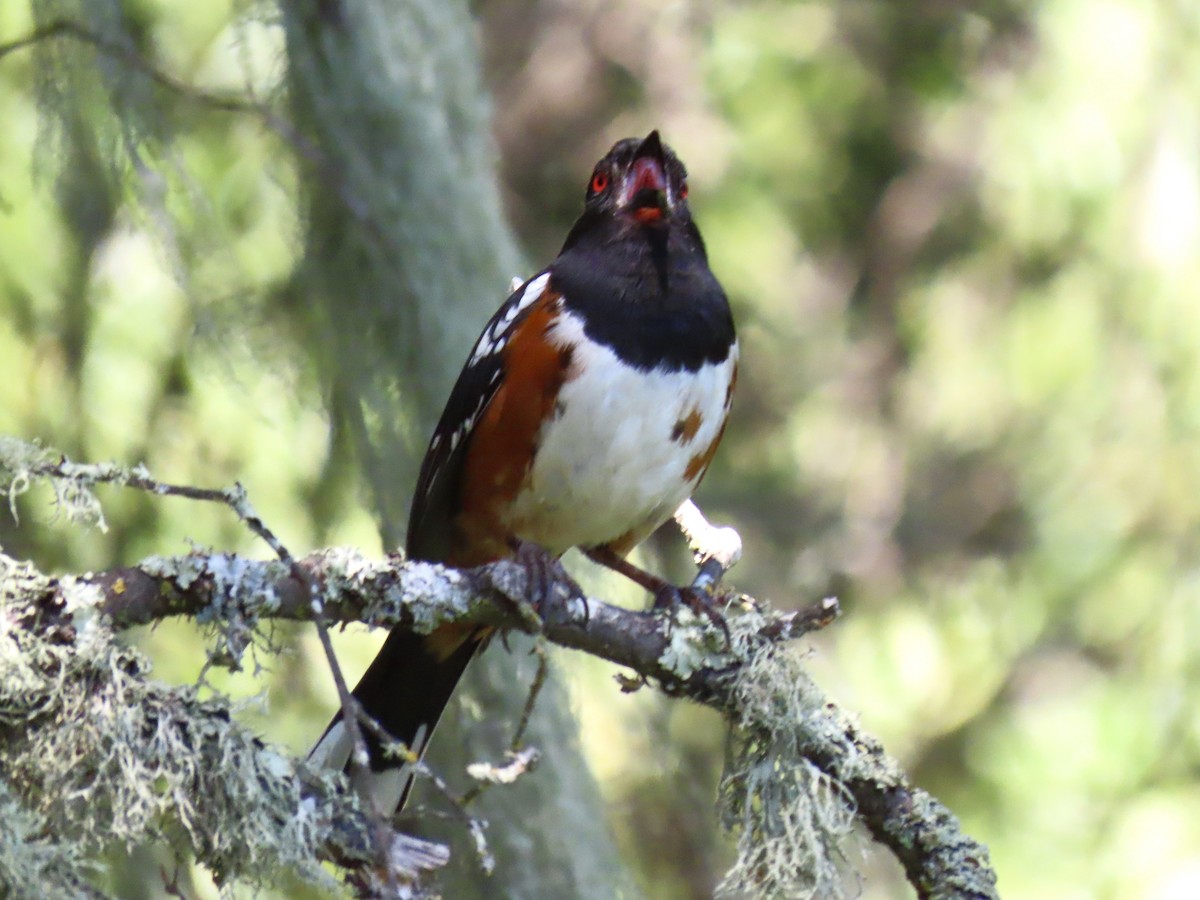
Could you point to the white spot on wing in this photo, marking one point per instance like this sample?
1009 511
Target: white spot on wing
534 290
494 339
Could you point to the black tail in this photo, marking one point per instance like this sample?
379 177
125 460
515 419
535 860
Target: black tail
404 690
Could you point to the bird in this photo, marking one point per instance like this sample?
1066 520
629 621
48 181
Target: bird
588 410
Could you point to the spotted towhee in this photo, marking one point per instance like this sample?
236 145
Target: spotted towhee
587 412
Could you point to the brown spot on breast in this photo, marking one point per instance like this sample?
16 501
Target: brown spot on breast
698 464
504 440
685 429
729 390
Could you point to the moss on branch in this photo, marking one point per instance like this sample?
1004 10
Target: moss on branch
797 773
95 751
98 754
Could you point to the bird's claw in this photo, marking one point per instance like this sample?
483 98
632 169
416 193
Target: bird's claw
545 573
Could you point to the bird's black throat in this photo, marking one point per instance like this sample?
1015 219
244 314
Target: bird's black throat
645 292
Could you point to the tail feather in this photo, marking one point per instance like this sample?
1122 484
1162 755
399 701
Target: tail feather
405 690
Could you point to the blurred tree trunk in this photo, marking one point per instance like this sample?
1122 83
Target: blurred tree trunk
406 254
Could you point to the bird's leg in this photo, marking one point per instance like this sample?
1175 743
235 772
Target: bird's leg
667 596
610 559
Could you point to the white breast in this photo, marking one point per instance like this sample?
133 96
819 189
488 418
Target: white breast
614 460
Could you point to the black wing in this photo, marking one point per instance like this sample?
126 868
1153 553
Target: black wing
435 501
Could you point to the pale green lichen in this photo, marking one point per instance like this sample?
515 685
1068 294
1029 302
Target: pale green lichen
242 590
183 571
33 864
22 464
429 593
101 755
423 581
693 645
789 816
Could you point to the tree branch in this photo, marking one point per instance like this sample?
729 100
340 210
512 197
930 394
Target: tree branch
94 752
419 596
689 659
781 721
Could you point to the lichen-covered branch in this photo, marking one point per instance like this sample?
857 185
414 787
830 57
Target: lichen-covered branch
73 483
81 728
779 715
393 592
94 753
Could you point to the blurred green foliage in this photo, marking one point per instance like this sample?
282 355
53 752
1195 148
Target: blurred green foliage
962 244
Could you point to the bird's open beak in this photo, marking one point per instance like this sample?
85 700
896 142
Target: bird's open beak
644 193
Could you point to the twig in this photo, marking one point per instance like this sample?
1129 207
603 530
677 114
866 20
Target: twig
535 689
238 502
516 752
476 827
811 618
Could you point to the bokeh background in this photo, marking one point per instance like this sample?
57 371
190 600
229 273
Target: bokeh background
962 242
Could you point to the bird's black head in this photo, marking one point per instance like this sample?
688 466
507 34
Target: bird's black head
641 180
638 195
634 268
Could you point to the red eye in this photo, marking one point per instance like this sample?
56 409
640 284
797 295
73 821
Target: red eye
683 191
599 182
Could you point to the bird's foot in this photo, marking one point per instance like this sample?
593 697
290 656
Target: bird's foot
546 575
698 597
